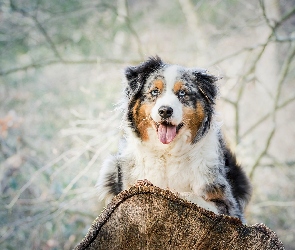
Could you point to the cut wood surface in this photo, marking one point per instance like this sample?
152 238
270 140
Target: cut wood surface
147 217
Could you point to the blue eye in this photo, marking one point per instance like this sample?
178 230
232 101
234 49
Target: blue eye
181 93
155 92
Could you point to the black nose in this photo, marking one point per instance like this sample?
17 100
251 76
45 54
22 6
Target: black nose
165 112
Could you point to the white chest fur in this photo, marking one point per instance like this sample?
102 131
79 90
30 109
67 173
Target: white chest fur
178 166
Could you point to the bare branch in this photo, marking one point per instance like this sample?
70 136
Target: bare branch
265 117
29 66
248 49
133 31
241 51
48 39
71 155
285 18
275 204
285 39
287 102
86 169
269 39
33 177
283 75
229 101
243 85
66 62
41 29
263 153
268 21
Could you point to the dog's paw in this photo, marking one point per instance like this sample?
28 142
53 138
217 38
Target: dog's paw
198 200
144 182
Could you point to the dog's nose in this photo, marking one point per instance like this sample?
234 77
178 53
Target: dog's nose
165 112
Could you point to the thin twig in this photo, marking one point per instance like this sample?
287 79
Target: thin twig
265 117
233 55
262 6
66 62
85 170
263 153
133 31
285 18
48 38
275 204
34 176
284 71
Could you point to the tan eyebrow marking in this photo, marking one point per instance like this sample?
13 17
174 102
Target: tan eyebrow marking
178 86
159 84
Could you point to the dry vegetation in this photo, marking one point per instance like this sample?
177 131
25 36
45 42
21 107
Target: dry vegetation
60 74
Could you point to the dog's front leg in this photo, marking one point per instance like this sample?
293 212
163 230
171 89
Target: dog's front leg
198 200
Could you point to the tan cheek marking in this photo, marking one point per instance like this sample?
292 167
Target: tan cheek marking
177 86
159 85
193 119
141 116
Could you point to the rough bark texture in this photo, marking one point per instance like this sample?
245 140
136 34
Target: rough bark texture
147 217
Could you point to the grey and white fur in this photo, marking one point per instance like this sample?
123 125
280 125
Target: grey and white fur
172 138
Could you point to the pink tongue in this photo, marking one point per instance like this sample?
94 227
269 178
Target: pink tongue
166 133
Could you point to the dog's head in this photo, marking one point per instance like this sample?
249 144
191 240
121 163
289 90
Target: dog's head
167 99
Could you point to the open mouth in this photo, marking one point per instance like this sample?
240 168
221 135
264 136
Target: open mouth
167 131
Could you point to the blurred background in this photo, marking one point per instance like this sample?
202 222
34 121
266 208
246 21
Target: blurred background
61 68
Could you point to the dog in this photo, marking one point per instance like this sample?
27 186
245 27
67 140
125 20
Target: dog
172 138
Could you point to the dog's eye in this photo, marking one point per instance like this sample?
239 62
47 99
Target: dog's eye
155 92
181 93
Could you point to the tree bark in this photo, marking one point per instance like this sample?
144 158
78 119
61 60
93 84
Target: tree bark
147 217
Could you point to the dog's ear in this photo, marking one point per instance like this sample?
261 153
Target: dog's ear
208 88
206 84
133 83
137 75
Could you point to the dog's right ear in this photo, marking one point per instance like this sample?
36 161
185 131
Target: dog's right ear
133 83
137 75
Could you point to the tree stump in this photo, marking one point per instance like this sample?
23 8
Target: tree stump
147 217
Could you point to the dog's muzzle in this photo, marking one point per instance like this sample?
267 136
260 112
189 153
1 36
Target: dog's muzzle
166 130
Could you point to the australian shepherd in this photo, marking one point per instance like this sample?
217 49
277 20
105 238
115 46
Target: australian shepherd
173 139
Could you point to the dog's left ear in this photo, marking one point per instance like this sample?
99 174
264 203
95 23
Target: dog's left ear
137 75
206 84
